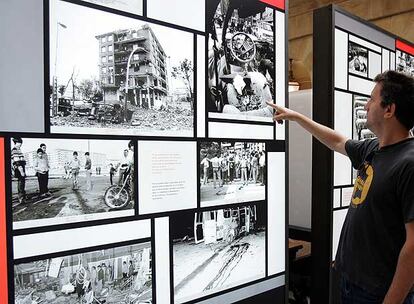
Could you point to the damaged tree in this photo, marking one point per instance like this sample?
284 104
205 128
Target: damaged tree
185 71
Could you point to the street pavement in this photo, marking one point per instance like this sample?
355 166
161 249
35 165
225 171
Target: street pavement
64 201
202 269
230 193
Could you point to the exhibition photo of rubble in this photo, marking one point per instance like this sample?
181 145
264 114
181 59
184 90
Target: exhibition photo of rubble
118 75
119 275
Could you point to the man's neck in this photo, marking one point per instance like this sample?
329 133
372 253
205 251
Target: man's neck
392 136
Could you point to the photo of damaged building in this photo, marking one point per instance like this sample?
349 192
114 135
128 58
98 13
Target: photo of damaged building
116 275
218 249
142 52
110 74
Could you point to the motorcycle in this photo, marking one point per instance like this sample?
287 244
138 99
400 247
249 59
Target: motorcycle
118 196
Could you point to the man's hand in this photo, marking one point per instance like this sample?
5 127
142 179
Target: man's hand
282 113
327 136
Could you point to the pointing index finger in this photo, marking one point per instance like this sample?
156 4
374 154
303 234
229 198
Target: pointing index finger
274 106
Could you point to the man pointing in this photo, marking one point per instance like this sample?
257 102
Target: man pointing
375 255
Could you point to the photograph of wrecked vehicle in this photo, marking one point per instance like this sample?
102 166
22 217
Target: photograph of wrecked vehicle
215 250
241 60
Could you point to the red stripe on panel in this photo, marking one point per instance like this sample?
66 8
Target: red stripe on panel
276 3
3 230
404 47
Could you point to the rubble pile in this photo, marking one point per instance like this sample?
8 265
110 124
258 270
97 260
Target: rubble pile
170 117
31 295
164 119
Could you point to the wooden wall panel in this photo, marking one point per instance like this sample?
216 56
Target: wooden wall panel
395 16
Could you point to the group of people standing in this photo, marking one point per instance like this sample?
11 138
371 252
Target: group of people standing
90 282
40 165
127 270
226 167
74 168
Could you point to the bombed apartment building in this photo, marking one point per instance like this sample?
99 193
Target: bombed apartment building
148 80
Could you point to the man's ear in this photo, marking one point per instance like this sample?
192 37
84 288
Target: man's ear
389 110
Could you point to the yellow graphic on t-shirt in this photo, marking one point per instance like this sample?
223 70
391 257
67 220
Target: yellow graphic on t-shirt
362 184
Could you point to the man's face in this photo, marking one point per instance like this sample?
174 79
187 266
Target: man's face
44 148
375 111
18 144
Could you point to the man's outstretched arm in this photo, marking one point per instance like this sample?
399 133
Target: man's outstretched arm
330 138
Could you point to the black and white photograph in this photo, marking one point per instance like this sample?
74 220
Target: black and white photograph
57 181
232 172
357 59
218 249
360 130
241 60
129 6
118 275
93 53
405 63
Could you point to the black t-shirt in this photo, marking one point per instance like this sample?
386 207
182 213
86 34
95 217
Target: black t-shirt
383 201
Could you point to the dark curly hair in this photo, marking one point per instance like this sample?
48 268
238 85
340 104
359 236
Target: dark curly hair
398 88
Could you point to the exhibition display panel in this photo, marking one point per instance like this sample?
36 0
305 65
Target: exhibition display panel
144 165
354 52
